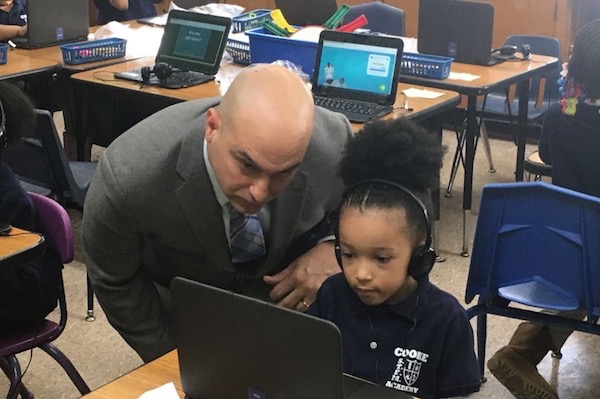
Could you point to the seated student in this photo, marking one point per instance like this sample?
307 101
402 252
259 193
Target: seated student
124 10
570 142
34 283
398 329
13 19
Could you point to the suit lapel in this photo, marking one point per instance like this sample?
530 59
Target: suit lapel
285 212
198 202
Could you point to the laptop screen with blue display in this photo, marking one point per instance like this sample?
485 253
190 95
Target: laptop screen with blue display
359 67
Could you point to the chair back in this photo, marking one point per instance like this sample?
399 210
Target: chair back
382 18
542 45
537 244
55 224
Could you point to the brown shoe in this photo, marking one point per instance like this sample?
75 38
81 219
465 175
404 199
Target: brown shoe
518 376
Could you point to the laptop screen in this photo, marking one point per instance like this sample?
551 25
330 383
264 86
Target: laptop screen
357 67
458 29
194 41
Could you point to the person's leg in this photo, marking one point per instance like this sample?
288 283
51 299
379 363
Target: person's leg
514 365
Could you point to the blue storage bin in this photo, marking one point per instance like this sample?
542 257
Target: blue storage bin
266 48
425 65
95 50
3 53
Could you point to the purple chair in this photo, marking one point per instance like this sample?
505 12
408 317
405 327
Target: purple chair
54 223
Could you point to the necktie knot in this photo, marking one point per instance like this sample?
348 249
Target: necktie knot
246 237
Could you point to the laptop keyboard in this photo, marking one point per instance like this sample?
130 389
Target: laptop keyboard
185 79
350 106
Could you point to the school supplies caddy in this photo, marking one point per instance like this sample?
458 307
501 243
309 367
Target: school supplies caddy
249 20
425 65
238 49
97 50
3 53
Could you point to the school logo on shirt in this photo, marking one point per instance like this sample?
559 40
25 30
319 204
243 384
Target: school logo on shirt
408 369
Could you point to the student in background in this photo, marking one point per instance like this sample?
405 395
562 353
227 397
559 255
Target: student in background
124 10
570 142
34 283
13 19
398 329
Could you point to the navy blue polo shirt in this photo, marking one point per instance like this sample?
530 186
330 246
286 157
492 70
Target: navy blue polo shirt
423 345
137 9
17 14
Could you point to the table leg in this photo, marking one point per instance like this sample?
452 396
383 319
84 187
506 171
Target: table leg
522 135
469 160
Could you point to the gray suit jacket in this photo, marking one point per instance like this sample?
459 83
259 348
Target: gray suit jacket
151 214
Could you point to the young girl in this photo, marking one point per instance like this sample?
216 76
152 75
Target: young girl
398 329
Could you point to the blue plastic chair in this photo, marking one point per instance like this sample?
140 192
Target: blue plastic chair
382 18
535 244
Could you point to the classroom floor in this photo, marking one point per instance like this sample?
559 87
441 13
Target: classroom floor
101 355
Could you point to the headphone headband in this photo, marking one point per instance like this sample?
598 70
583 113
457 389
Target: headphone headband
406 191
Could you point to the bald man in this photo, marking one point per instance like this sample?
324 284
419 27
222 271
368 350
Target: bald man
161 200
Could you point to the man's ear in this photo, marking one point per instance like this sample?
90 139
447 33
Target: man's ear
212 124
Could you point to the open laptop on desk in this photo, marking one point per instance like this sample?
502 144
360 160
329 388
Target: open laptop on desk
458 29
52 22
357 74
191 48
231 346
306 12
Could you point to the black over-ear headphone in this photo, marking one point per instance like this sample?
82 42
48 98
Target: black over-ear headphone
3 137
422 258
508 52
162 70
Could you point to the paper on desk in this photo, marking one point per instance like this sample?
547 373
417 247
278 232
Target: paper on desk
166 391
463 76
421 93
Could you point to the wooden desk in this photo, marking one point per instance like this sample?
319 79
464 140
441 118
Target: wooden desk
18 65
490 78
163 370
422 108
20 246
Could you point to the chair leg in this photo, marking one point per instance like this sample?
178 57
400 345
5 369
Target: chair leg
12 369
90 301
67 366
481 339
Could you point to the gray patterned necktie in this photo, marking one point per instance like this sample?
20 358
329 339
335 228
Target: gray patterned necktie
246 237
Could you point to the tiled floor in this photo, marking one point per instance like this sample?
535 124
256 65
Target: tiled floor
101 355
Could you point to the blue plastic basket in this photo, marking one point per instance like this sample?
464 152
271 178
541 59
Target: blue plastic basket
266 48
425 65
96 50
249 20
3 53
240 51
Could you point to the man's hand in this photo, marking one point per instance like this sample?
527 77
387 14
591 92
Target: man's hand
296 286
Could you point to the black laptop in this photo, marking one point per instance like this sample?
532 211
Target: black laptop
307 12
192 45
232 346
357 74
458 29
52 22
